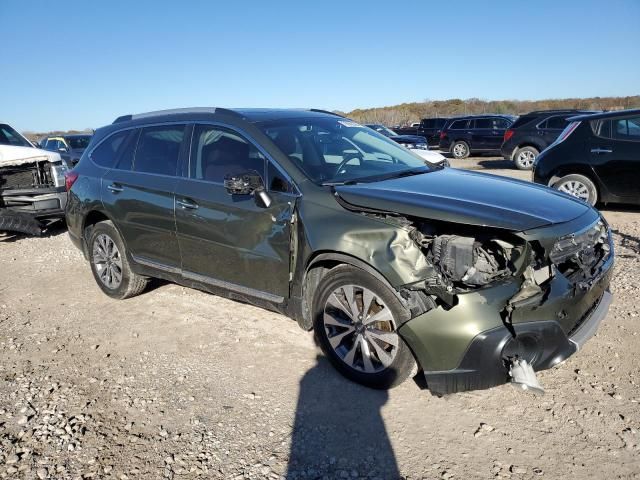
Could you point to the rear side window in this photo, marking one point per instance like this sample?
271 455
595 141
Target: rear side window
555 123
107 152
440 122
458 124
217 152
626 129
523 120
500 123
428 123
483 123
601 128
159 149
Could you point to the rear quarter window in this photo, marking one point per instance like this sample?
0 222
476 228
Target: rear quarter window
458 124
523 120
106 153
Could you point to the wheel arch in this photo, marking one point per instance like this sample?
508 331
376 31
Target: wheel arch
317 267
93 217
584 170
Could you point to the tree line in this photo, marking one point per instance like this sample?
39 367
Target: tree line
408 113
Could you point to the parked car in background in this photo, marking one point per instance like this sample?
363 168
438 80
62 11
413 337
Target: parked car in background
415 143
32 184
463 136
394 263
70 147
532 133
428 128
596 158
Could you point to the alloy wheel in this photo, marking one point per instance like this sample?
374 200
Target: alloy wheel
107 261
459 150
576 189
360 328
526 158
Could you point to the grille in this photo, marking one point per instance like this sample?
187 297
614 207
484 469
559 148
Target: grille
26 177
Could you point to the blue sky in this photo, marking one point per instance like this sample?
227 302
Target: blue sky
78 64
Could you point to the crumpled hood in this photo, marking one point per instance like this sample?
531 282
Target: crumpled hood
11 155
466 197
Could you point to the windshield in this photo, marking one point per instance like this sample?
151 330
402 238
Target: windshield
338 150
8 136
79 142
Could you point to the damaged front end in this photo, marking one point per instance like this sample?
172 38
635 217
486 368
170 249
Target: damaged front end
501 304
31 192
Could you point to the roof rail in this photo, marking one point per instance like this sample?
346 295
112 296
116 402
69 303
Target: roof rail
557 110
176 111
318 110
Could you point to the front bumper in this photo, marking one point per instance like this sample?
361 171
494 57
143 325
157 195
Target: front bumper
468 346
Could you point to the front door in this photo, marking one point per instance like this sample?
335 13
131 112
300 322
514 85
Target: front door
226 240
138 194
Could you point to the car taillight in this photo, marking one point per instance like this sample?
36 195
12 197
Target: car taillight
508 134
70 178
443 135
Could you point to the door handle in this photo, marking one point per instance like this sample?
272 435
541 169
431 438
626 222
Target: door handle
601 150
187 204
114 188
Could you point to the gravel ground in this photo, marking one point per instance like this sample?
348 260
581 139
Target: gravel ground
177 383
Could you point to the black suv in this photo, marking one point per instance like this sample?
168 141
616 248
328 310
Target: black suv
532 133
393 262
428 128
462 136
596 158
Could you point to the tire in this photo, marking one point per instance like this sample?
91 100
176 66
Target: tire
460 149
578 186
109 264
346 338
524 157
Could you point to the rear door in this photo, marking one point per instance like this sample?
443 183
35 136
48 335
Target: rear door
139 194
615 156
496 135
481 133
232 241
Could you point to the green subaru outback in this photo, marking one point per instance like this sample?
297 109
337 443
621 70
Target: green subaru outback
399 266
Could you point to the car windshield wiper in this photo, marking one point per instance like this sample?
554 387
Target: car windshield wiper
379 178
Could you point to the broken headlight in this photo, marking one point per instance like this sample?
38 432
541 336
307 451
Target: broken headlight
581 250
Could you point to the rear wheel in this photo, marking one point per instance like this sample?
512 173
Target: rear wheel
460 149
578 186
356 318
109 263
525 157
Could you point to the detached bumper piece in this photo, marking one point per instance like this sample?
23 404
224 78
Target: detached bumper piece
19 222
491 355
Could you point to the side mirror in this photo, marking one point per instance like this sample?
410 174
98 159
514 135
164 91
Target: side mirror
247 183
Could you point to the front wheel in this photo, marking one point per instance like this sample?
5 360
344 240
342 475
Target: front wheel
356 318
525 157
460 149
578 186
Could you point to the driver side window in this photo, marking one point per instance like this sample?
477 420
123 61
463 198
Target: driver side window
218 151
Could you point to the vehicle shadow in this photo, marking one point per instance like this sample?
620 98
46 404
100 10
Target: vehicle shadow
497 164
339 431
630 242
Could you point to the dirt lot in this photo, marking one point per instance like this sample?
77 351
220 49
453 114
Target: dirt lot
179 383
